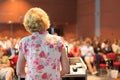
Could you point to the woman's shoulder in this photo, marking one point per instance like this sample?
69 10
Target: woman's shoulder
25 39
55 37
56 40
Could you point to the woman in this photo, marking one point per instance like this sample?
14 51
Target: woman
42 52
87 52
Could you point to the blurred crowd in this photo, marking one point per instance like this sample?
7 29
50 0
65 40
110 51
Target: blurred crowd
8 57
92 51
9 45
73 46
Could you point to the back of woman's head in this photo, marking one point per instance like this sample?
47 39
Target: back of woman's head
36 20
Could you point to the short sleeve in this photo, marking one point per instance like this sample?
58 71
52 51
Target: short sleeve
61 44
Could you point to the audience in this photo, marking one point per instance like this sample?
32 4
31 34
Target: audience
6 72
98 52
74 47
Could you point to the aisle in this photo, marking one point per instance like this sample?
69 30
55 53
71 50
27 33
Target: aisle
92 77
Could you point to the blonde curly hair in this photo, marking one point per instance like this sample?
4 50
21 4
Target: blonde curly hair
36 20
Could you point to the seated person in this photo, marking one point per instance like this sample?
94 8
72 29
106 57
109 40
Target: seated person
116 46
99 55
106 50
75 50
107 47
87 52
6 72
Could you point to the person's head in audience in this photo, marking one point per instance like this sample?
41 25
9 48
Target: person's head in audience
88 42
116 41
96 38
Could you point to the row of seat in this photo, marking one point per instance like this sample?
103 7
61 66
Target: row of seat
113 57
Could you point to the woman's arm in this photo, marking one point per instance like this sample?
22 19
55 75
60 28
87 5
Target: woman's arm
64 63
21 65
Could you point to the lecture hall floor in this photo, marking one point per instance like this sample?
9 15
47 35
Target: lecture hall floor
92 77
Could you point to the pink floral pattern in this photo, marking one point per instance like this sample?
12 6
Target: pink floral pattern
42 52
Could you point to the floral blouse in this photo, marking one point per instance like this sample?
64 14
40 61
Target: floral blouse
42 52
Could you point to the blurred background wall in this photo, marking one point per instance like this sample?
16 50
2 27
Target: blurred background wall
76 17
